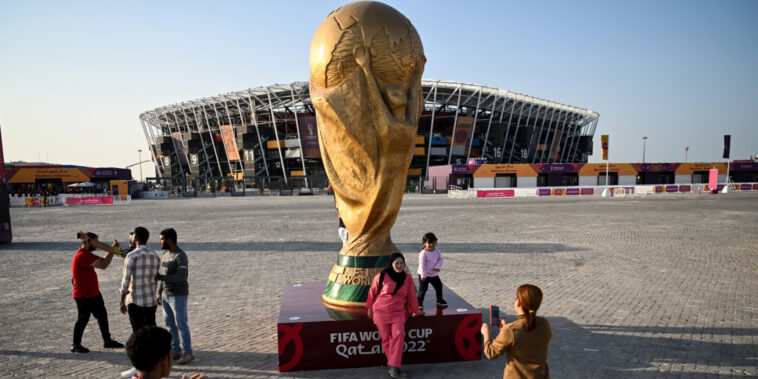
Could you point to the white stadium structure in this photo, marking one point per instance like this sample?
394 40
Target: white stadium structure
266 137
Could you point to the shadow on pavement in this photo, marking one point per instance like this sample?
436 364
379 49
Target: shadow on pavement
116 356
293 246
610 351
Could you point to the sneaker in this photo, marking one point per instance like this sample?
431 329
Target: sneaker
113 344
129 373
178 354
79 349
395 372
186 358
442 303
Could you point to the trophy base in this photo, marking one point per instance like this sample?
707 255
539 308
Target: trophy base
316 335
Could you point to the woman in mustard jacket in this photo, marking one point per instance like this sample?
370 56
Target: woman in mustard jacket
525 341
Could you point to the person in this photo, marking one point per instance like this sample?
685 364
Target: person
86 292
138 285
525 340
392 290
342 230
173 290
149 350
429 266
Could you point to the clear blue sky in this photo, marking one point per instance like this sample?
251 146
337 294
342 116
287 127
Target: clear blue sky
75 75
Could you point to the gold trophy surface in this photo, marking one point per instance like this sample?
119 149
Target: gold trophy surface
366 61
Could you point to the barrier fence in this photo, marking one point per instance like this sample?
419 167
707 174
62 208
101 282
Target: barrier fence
67 200
616 191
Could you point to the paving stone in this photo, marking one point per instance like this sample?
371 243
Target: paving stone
634 287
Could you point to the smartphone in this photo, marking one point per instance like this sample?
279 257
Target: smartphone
494 315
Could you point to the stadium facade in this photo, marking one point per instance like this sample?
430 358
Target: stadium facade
267 137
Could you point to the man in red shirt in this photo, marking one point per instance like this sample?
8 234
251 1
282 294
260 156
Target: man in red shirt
86 292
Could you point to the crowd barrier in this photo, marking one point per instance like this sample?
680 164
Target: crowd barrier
66 200
616 191
155 194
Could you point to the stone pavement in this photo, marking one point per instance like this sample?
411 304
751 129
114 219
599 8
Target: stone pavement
663 286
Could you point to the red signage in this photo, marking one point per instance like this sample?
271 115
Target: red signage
315 337
496 193
713 178
89 200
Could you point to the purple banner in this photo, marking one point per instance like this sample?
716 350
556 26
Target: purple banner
745 166
104 172
727 142
746 187
557 167
462 169
474 161
2 162
309 136
672 189
573 191
656 167
543 192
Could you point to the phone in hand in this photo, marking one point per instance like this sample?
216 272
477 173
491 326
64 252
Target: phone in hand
494 315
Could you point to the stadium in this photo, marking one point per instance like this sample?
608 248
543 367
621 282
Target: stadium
266 137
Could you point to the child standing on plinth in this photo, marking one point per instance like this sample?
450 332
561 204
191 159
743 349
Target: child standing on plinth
429 266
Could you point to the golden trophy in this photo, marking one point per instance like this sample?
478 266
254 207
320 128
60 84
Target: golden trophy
366 61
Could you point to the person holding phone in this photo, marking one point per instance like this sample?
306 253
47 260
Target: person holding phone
86 291
525 341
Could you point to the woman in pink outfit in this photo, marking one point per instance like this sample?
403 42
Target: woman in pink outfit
391 298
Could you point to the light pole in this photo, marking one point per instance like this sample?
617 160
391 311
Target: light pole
686 149
643 148
139 152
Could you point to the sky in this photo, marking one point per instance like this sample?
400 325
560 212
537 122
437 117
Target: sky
75 75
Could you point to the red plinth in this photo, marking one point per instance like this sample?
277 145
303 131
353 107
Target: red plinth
315 337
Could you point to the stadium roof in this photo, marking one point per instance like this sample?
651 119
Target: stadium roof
295 97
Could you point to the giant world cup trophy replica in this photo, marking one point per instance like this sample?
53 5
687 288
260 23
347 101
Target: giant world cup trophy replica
366 61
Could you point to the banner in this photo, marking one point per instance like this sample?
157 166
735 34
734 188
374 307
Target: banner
89 200
2 162
179 146
158 162
553 168
496 193
727 142
309 136
463 132
556 148
230 144
6 236
713 178
65 174
604 143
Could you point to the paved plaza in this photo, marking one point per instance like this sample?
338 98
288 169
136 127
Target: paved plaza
658 287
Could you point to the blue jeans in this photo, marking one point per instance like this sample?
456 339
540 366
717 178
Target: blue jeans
175 312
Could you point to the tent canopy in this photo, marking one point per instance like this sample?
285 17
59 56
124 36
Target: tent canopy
82 184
